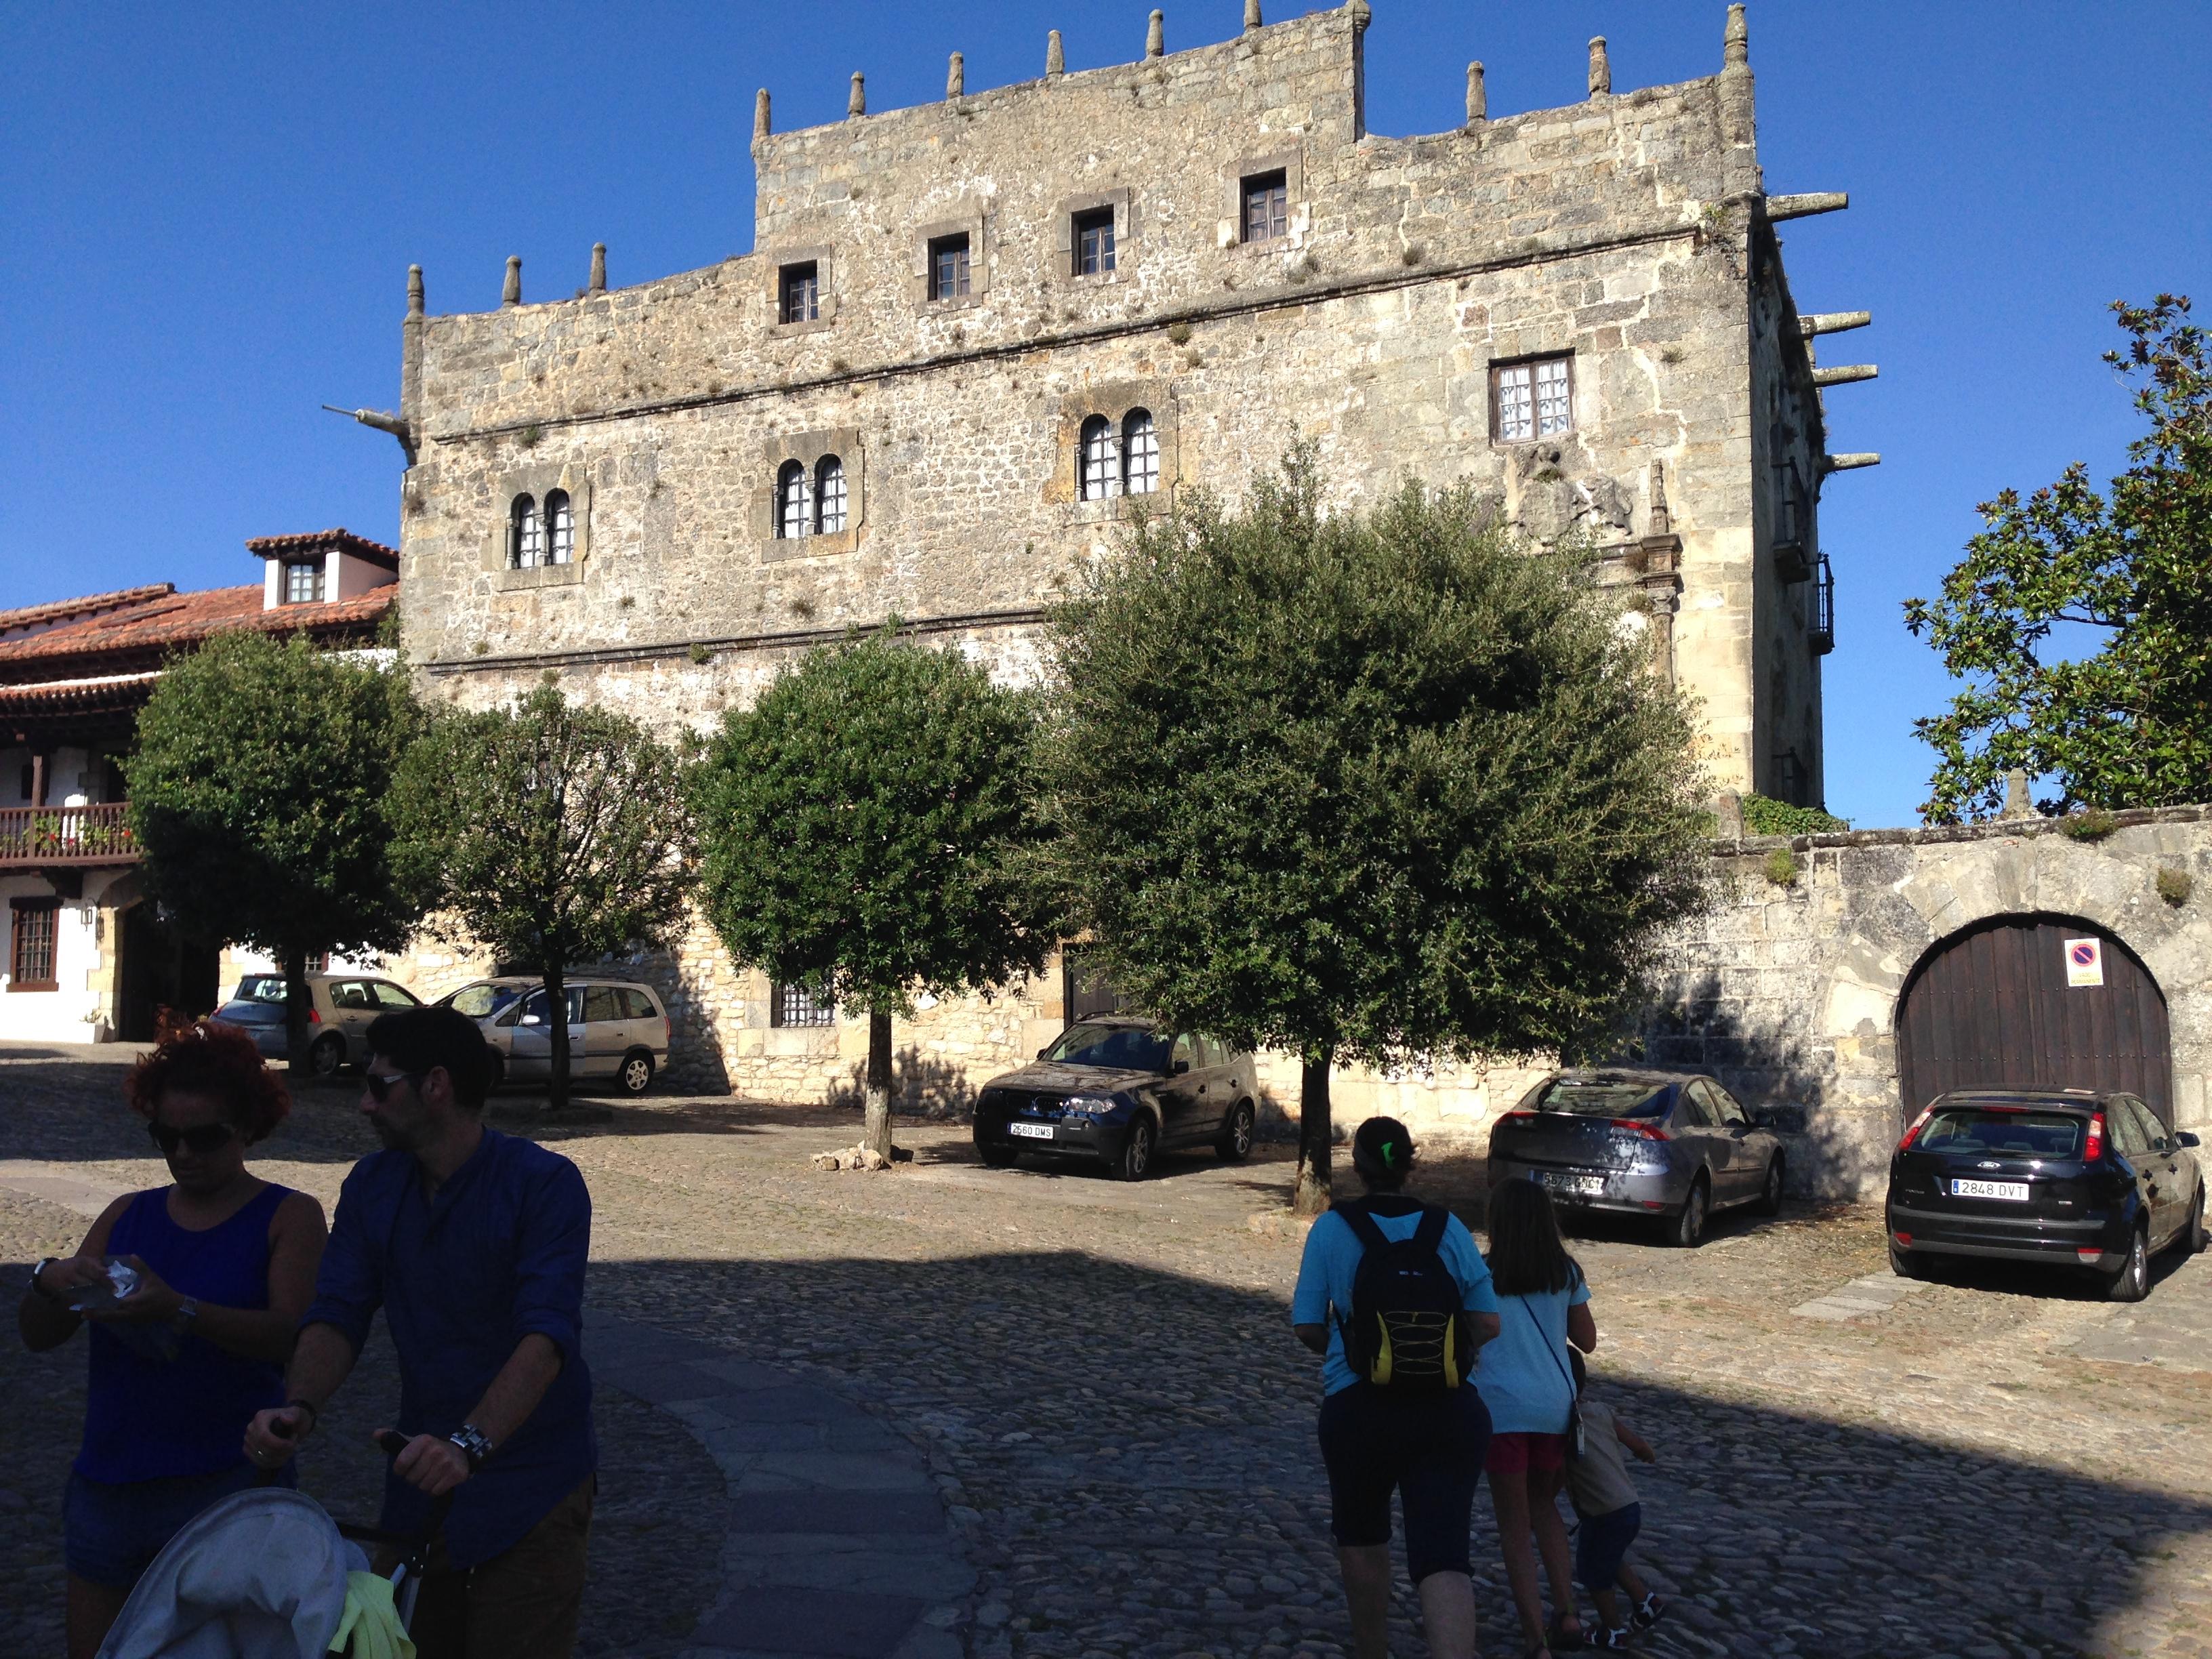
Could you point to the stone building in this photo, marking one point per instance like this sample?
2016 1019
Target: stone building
973 338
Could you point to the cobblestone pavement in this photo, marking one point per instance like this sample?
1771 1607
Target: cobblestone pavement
1102 1381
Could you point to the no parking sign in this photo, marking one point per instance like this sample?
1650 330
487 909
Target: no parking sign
2085 962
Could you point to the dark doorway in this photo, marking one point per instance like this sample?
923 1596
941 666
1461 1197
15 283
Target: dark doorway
1992 1007
1086 989
160 969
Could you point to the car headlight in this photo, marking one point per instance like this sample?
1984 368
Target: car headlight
1090 1106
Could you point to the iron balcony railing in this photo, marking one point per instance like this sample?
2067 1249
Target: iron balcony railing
1824 608
44 836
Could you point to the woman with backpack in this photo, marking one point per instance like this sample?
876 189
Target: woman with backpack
1393 1296
1527 1383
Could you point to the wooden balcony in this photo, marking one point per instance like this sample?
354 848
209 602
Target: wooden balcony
58 837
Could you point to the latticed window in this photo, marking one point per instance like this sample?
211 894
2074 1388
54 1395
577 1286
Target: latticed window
525 534
794 504
1266 207
303 582
1533 400
560 526
1141 453
801 289
829 496
794 1005
1094 242
948 267
31 953
1101 466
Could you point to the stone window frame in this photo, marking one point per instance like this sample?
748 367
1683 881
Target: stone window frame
1114 400
1127 249
976 228
794 1008
537 482
1497 365
1291 164
808 448
823 259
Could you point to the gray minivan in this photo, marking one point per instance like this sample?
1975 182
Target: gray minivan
616 1029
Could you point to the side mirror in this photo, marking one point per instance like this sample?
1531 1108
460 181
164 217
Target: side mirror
531 1019
1179 1067
1045 1051
2185 1137
1762 1119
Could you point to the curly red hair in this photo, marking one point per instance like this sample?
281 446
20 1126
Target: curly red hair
215 1060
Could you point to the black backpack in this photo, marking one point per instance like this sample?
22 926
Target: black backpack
1408 1331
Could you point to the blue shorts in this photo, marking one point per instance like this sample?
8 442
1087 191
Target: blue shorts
1602 1545
112 1531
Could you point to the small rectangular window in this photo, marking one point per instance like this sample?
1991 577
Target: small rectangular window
948 267
801 287
1532 400
1093 242
31 955
1266 206
303 582
793 1006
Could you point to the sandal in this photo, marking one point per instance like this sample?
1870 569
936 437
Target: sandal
1648 1612
1611 1640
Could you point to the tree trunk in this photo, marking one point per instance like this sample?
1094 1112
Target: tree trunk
556 1010
1316 1137
876 1136
298 1001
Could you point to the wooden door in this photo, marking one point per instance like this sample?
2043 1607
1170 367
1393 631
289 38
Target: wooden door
1992 1008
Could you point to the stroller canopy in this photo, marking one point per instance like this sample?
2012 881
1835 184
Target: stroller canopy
261 1575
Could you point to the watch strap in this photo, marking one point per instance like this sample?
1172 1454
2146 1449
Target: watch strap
44 1294
473 1443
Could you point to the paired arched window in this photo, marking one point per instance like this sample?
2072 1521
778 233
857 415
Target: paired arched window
560 527
1122 460
809 503
525 534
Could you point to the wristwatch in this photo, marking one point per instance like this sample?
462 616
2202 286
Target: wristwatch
45 1262
473 1443
188 1313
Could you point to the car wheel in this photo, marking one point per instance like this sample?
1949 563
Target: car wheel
636 1073
2132 1282
327 1056
1236 1143
1136 1152
1906 1264
1770 1195
998 1157
1687 1230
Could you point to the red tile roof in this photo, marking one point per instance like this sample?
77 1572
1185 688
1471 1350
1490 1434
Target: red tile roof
340 540
142 635
114 691
39 616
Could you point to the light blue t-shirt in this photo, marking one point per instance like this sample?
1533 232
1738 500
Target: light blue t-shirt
1524 1373
1323 1295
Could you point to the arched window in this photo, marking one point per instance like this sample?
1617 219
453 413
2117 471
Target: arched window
1141 453
794 505
1101 466
829 496
526 546
560 527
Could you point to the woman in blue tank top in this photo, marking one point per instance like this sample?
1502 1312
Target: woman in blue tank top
226 1264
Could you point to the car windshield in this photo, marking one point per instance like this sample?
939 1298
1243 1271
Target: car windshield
260 987
1592 1097
1124 1048
1967 1129
482 1001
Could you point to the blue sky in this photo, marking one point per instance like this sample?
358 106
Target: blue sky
209 212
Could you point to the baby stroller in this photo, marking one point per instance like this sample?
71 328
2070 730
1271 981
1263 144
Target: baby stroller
264 1575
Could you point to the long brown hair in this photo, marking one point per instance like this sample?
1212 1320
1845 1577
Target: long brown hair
1527 1254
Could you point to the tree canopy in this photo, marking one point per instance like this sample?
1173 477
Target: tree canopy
863 829
552 833
1370 789
259 790
2129 723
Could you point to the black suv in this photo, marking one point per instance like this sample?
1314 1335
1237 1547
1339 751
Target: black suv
1116 1090
2071 1177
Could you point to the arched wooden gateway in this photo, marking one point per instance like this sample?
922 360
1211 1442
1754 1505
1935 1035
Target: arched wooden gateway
1993 1007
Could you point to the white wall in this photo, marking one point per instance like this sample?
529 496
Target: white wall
62 1016
354 576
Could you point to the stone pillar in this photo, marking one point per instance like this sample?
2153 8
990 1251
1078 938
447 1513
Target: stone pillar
1738 119
761 128
856 102
1477 97
599 282
1727 815
414 290
956 77
1251 14
2016 802
1600 67
1055 61
512 293
1155 35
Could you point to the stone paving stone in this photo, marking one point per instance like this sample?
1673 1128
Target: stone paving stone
838 1624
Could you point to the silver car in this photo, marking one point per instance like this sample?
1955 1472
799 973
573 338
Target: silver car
339 1009
1661 1143
616 1029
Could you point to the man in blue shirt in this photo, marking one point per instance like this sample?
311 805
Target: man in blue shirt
474 1244
1427 1447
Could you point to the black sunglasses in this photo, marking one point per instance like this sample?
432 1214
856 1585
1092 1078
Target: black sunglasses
379 1088
202 1138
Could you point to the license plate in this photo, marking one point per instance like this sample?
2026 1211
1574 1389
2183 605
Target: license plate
1030 1131
2014 1190
1582 1185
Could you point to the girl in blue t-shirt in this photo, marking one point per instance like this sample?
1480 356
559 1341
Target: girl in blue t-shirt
1527 1383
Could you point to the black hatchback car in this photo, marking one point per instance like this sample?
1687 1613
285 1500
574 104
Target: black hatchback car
2073 1178
1116 1090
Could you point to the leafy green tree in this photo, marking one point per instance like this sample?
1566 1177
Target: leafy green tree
259 791
2129 723
864 828
551 833
1364 788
